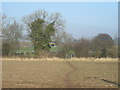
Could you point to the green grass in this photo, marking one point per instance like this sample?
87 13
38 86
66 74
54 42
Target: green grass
55 49
26 49
58 74
30 49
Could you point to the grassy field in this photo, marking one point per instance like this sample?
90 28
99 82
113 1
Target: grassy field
59 73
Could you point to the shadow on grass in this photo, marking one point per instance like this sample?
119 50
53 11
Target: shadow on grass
108 81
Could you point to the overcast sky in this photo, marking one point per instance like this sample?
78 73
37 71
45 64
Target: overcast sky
83 19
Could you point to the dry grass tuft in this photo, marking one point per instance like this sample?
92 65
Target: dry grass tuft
62 59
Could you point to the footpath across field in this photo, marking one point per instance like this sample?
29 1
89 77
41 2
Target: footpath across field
60 73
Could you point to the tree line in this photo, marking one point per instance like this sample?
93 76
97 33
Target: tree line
102 45
44 28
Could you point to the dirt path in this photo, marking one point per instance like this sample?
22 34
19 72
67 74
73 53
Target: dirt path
68 83
62 74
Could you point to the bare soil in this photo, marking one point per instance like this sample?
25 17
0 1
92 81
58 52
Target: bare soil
59 74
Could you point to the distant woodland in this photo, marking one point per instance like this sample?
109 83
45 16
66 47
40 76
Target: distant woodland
41 34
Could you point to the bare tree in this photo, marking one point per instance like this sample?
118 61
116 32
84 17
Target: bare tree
11 32
48 18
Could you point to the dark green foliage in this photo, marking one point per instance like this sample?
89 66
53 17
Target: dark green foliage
41 34
6 49
50 30
103 53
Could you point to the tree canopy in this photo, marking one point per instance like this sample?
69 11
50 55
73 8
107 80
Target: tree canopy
42 28
101 43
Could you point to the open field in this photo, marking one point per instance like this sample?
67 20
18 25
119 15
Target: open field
59 73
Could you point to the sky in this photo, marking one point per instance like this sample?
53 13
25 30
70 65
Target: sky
82 19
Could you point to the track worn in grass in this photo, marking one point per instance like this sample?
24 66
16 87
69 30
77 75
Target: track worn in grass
58 74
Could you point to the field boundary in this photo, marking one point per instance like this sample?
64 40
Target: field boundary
63 59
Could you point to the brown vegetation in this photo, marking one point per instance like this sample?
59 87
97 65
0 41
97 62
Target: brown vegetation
60 73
